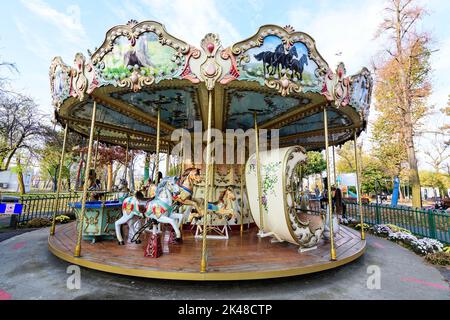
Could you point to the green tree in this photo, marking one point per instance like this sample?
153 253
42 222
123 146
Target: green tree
50 154
372 169
315 164
440 181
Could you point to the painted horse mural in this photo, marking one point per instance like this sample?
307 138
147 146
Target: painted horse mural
285 61
281 62
297 67
159 209
271 59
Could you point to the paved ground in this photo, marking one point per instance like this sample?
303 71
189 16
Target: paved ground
29 271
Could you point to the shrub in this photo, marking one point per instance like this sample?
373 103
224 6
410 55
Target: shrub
395 228
366 226
439 258
446 249
62 219
407 238
347 221
381 230
38 223
426 245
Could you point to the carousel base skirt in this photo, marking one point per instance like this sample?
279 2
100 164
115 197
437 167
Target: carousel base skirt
238 258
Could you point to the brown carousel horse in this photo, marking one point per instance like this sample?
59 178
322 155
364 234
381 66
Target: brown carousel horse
224 207
188 179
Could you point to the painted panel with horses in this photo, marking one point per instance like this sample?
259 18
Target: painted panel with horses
273 59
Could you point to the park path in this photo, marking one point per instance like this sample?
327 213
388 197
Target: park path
29 271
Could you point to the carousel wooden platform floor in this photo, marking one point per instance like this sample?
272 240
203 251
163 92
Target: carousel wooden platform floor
239 258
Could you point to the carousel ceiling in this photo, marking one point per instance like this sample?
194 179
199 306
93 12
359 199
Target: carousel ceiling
277 73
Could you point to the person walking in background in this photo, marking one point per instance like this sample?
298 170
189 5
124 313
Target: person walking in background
338 203
160 177
317 192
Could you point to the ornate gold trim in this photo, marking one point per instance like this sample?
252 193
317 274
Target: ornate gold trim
133 31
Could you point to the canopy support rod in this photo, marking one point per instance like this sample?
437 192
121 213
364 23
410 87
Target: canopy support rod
168 160
358 186
86 181
158 135
258 178
208 183
330 205
242 198
58 188
334 167
126 157
96 150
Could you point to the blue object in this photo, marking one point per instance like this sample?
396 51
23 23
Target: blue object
11 208
96 204
395 192
212 207
351 194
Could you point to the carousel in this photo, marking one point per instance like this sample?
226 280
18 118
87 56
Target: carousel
237 209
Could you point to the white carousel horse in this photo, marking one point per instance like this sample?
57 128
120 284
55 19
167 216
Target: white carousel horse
159 209
123 190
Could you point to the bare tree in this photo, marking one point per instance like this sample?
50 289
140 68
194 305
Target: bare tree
438 155
11 67
20 126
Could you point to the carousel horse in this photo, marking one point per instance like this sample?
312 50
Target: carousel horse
225 207
124 192
186 183
159 209
298 66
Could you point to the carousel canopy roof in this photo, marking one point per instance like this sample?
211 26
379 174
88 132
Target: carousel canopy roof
277 73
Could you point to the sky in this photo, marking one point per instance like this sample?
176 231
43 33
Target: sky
32 32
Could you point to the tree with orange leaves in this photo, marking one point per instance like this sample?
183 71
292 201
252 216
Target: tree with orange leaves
403 85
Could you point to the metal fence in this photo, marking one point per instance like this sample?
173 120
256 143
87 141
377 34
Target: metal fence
426 223
42 205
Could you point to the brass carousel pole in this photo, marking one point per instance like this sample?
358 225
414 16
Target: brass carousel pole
358 187
96 151
182 153
168 160
58 188
158 135
85 186
334 168
330 205
207 182
258 178
126 158
242 198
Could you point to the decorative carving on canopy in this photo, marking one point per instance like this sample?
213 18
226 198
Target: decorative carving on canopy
361 92
139 54
83 77
59 81
337 87
233 73
282 59
210 69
